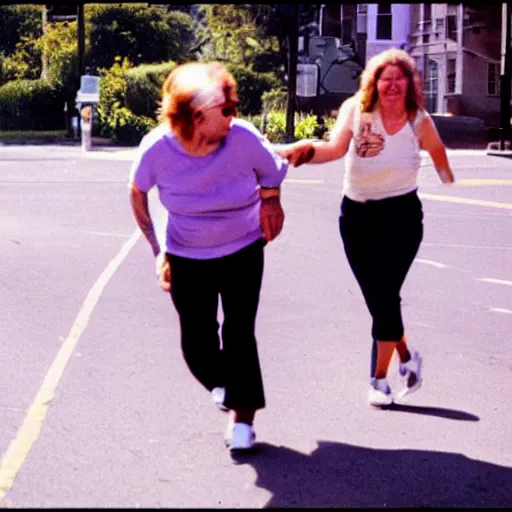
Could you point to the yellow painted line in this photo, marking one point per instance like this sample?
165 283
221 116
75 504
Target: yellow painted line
431 262
495 281
471 182
500 310
465 200
30 429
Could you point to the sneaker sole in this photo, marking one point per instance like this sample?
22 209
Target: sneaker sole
239 449
235 449
242 450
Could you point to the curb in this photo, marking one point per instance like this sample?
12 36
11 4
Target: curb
506 153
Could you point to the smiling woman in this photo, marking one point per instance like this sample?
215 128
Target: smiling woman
380 131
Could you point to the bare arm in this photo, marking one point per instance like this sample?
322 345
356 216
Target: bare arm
431 141
318 152
139 203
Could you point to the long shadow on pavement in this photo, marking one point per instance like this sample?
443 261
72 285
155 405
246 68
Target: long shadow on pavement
440 412
343 475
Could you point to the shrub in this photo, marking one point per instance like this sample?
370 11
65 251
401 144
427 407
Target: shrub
274 100
127 128
251 86
144 87
306 125
31 105
112 94
116 121
275 126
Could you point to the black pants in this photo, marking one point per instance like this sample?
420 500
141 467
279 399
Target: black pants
381 239
195 289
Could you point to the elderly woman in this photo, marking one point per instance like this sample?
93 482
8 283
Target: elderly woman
380 131
219 180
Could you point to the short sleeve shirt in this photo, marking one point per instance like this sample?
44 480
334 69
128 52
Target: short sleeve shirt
212 201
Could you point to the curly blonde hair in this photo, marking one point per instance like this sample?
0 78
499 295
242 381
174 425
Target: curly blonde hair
367 95
188 87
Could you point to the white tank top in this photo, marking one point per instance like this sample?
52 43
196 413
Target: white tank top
379 165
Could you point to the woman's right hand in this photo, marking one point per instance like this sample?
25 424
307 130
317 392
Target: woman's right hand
163 271
297 153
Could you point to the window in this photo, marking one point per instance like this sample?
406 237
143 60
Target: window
427 12
451 22
346 31
431 86
384 24
493 79
450 75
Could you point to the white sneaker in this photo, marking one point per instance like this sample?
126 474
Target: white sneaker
411 374
218 396
240 436
379 393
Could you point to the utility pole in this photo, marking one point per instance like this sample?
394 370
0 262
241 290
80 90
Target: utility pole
80 22
81 37
505 75
293 50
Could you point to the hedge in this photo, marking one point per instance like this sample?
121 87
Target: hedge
31 105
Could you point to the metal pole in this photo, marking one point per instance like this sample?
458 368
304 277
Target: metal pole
505 82
81 38
293 44
81 51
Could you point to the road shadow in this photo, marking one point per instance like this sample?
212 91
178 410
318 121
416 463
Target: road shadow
343 475
440 412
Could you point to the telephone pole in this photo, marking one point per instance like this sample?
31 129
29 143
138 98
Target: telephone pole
505 75
293 50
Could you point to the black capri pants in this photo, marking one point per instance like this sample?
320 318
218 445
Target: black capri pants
381 239
195 289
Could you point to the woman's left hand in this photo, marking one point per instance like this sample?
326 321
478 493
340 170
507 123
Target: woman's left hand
271 217
163 272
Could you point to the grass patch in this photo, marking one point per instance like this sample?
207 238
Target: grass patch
20 134
33 137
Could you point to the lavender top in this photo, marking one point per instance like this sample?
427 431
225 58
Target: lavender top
213 201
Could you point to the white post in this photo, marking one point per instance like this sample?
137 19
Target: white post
86 127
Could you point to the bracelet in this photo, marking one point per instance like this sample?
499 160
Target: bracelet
269 192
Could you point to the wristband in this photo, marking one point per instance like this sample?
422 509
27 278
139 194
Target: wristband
269 192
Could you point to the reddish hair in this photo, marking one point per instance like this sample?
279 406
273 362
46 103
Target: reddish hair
184 84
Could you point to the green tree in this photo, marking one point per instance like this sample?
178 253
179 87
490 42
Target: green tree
236 35
140 33
18 21
19 54
59 46
24 62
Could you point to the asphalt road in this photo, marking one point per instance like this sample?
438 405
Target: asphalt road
97 408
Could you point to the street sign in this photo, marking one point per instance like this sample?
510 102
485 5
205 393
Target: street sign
61 12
